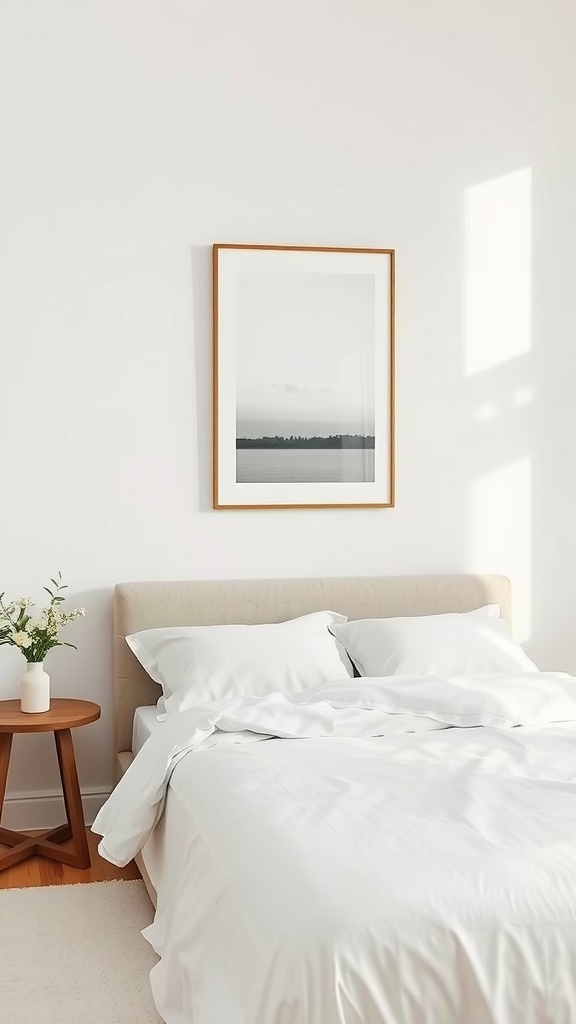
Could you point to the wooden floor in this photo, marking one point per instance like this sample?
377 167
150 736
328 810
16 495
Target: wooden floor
41 871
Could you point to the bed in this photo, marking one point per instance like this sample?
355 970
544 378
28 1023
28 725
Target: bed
350 874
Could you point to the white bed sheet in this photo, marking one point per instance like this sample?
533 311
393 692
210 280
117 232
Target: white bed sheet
359 877
145 723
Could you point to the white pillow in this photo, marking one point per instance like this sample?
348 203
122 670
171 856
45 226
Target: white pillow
197 664
456 643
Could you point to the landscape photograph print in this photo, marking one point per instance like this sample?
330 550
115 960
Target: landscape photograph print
303 358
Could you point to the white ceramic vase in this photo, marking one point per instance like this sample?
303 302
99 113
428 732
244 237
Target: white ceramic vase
35 689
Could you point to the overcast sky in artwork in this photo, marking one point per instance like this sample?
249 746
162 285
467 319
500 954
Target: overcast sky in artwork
305 354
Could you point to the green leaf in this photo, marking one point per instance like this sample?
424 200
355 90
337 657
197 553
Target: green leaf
48 592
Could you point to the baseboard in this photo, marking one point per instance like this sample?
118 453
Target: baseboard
46 810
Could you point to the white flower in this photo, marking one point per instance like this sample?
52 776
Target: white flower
34 630
21 639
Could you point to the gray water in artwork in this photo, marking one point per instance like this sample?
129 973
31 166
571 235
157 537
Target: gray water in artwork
304 465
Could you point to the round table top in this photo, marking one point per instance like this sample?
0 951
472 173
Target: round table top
64 713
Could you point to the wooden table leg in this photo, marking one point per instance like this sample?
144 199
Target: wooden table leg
72 797
48 843
22 842
5 748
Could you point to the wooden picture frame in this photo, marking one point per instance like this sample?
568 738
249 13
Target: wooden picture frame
303 377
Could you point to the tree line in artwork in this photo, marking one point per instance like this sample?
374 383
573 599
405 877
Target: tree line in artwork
296 441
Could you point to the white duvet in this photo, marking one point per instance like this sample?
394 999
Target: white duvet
405 854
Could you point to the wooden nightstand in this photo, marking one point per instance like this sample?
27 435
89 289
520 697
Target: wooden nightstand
64 714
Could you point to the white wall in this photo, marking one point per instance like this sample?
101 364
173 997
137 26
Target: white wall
133 135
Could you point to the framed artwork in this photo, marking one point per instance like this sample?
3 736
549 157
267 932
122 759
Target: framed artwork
303 377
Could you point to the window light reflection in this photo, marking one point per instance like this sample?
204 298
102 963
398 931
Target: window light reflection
499 540
497 282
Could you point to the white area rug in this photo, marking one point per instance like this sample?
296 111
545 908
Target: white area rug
73 954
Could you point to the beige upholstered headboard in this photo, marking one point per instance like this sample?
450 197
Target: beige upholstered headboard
145 605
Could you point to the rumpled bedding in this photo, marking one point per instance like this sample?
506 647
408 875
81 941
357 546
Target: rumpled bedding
354 860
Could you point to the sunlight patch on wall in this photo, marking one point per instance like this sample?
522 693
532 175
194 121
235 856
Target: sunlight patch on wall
489 411
522 396
485 413
499 534
498 273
